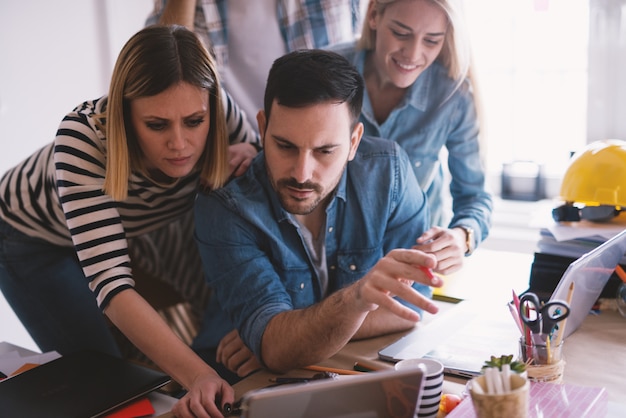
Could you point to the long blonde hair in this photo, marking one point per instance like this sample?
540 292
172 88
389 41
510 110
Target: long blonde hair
455 55
154 59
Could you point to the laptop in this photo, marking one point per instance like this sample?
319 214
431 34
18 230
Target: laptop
589 274
465 336
82 384
385 393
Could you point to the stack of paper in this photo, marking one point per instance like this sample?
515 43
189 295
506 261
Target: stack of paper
573 239
13 361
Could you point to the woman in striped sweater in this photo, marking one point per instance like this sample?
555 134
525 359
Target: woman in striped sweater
116 189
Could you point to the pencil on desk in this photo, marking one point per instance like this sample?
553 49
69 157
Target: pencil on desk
332 370
369 366
559 335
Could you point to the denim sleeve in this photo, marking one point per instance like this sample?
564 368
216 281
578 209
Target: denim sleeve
409 213
472 204
409 218
238 270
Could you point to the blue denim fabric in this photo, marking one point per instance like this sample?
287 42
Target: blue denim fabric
435 114
254 256
46 288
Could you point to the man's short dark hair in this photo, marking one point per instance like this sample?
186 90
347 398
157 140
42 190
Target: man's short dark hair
312 76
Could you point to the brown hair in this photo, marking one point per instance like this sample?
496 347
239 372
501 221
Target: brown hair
154 59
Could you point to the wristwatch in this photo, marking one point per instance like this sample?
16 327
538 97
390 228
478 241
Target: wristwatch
469 239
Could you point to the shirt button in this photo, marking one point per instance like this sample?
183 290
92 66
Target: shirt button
333 267
301 285
330 229
418 164
352 267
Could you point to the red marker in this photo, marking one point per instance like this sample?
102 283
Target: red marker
428 272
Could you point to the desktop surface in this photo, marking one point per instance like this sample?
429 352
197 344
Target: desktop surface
593 353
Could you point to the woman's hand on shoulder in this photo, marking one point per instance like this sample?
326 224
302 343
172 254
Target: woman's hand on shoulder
239 158
205 398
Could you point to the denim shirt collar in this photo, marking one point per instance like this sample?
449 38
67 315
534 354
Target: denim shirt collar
418 94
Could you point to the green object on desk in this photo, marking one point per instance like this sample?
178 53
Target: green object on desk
516 366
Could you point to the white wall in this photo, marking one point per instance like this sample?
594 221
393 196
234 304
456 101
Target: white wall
54 55
607 63
44 75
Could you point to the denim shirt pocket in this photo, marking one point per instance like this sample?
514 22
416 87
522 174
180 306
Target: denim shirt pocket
355 263
298 281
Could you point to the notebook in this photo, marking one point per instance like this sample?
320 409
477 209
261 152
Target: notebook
385 393
462 338
465 336
82 384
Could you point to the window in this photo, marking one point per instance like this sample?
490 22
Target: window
531 61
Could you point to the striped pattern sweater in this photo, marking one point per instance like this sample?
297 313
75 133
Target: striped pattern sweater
56 195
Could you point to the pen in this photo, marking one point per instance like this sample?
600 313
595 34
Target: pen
316 376
331 370
428 272
528 337
367 366
559 335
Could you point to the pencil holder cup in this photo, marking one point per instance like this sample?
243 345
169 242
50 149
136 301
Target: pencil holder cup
543 363
513 404
433 386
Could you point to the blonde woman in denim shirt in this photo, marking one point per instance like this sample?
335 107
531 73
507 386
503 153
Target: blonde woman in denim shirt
414 57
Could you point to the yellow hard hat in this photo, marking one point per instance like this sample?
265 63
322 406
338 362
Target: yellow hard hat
596 178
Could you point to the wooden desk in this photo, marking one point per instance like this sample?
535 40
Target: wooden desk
594 353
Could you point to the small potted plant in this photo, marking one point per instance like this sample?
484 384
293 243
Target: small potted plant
516 366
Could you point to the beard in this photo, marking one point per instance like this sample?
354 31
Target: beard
295 205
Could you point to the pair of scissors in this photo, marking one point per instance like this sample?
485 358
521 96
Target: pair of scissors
546 316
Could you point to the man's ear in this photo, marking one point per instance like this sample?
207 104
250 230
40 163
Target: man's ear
262 122
355 140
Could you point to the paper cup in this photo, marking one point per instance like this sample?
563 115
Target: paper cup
431 395
513 404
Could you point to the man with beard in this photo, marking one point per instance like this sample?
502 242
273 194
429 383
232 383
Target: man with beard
311 247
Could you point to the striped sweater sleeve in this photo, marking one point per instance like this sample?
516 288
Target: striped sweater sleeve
238 126
92 217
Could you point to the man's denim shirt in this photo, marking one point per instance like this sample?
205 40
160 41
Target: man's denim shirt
254 256
436 112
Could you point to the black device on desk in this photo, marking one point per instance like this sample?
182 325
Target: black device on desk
81 384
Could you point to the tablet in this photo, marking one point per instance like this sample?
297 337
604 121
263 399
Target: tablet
385 393
82 384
